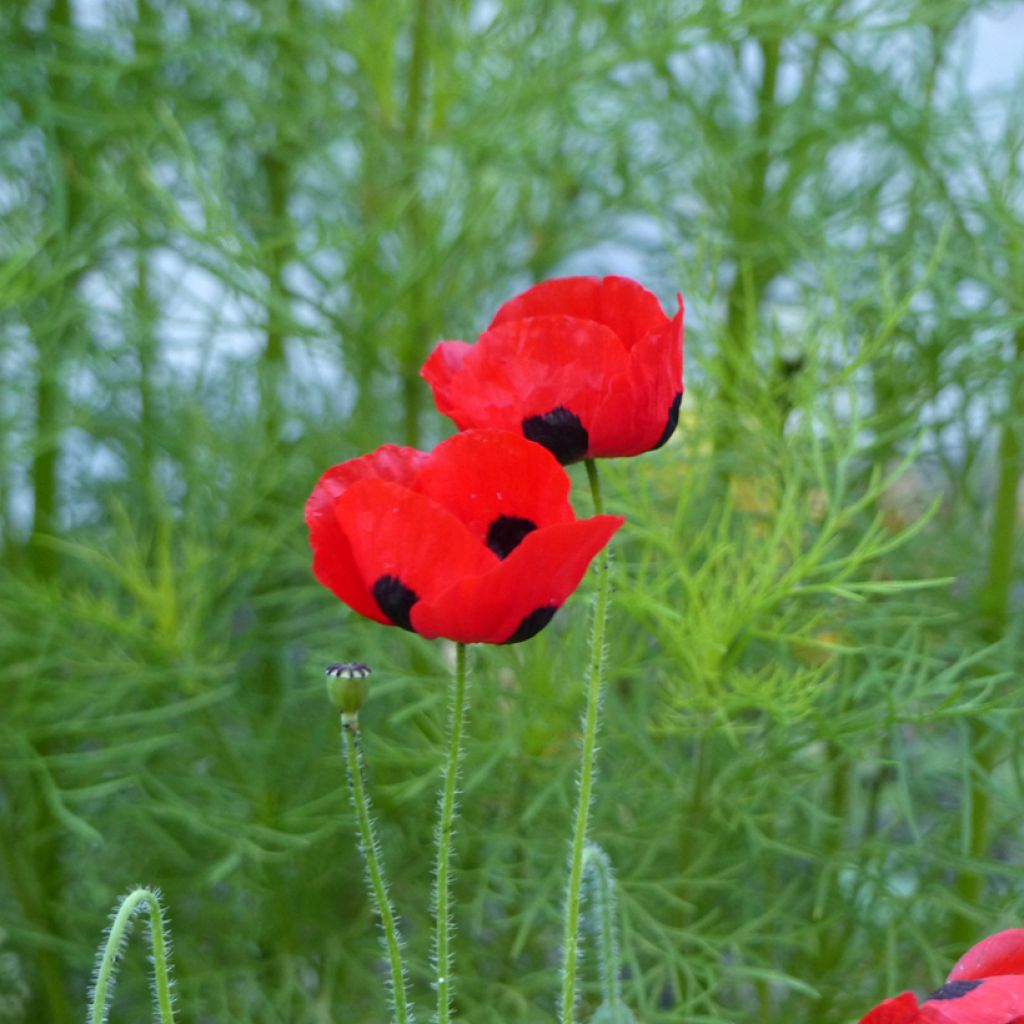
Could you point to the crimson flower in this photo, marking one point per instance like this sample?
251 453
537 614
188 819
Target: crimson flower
586 366
475 541
985 987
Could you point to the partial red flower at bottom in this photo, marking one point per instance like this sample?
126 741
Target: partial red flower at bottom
475 541
986 986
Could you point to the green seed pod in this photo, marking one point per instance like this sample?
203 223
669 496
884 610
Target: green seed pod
347 686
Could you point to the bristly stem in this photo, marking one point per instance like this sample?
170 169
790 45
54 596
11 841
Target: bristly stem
595 679
374 863
445 834
113 949
597 867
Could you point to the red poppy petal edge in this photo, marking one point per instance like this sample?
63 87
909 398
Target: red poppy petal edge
901 1009
523 591
619 303
1002 953
650 389
440 371
391 462
335 567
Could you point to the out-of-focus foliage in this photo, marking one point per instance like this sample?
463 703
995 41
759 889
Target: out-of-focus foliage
229 235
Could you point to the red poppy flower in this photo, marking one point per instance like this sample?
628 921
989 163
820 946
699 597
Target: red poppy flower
475 541
586 366
985 987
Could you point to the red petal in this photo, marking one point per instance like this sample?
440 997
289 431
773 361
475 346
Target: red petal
628 308
637 404
391 462
393 531
983 1001
542 572
441 371
333 563
482 475
1002 953
900 1010
525 368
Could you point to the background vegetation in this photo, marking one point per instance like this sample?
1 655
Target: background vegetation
230 233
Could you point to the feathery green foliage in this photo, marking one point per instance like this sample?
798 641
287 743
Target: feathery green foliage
229 235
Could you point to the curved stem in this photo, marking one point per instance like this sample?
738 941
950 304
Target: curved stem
595 679
374 864
598 868
445 832
110 957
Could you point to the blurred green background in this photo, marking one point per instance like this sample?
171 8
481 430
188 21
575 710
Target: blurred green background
229 235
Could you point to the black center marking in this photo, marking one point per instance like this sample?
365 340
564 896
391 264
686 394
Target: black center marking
561 432
672 422
506 532
533 623
395 600
953 990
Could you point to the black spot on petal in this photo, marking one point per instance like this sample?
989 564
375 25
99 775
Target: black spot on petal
395 600
672 422
506 533
954 990
561 432
533 623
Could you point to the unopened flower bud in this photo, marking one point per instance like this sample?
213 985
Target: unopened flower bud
347 685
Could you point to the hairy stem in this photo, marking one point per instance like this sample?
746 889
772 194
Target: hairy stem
595 679
113 949
370 850
597 869
445 833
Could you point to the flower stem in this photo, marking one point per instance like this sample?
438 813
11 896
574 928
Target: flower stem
598 869
595 678
113 948
374 864
445 834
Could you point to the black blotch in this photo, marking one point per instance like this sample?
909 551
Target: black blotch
395 600
561 432
672 422
533 623
954 990
505 534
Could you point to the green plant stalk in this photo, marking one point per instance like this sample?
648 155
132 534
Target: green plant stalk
445 834
110 956
370 850
597 867
994 607
595 681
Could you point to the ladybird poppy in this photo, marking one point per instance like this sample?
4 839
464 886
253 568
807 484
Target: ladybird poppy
475 541
588 367
985 987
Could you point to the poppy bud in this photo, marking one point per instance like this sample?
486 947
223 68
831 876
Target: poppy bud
347 687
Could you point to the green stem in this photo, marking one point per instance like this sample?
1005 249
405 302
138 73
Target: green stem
110 957
598 869
595 678
445 833
374 864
